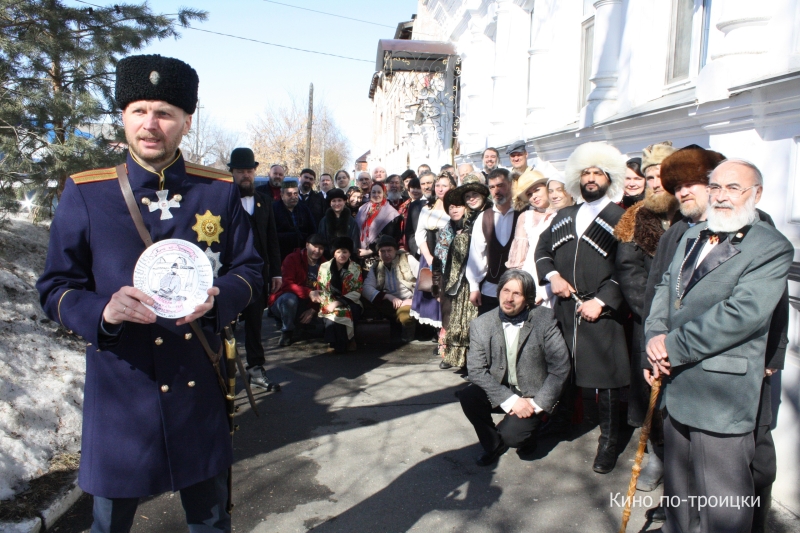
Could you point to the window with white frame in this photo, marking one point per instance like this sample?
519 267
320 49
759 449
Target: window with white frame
680 46
587 50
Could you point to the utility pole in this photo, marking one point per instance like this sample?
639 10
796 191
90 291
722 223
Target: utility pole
322 168
310 119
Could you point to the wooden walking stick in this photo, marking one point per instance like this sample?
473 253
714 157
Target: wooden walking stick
637 463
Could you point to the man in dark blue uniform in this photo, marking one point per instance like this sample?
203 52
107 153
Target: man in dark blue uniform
154 417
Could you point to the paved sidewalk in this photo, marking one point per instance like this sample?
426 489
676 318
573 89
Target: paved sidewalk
375 441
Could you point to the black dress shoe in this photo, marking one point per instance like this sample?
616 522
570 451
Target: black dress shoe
656 514
490 458
527 452
445 366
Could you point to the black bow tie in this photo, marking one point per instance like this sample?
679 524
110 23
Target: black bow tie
514 320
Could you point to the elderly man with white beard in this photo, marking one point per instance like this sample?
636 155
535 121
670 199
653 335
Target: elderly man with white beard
707 335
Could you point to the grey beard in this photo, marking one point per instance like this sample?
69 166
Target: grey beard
693 212
393 196
739 217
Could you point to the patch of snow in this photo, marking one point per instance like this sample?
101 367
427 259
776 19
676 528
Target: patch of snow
41 369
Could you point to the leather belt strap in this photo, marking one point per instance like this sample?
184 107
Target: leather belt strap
130 200
138 221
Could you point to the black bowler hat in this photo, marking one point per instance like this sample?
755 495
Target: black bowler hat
242 158
154 77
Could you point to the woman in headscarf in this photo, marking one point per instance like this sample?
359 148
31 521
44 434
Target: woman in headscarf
355 199
533 200
424 307
558 195
375 218
452 284
339 296
337 221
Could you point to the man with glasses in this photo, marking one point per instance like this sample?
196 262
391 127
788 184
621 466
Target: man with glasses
685 174
707 333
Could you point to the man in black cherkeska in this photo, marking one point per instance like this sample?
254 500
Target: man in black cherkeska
576 256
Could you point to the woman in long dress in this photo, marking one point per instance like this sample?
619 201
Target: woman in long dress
424 307
444 238
532 199
339 296
454 288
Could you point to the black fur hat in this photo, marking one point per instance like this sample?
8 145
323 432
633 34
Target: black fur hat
342 243
154 77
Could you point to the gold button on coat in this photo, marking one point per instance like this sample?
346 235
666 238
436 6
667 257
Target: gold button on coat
159 341
191 383
188 336
164 388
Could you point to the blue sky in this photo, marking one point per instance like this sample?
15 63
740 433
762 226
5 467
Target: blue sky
239 79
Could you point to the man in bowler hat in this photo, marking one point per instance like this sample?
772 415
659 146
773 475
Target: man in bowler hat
265 239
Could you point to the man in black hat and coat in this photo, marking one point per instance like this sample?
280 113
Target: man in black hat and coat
265 239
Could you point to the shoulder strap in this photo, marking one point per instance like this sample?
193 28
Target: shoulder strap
130 201
136 215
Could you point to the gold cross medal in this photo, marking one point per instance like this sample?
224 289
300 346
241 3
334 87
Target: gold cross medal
208 227
163 204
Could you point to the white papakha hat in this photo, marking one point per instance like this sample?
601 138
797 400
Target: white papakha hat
595 154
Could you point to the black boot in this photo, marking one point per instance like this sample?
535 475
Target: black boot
761 513
609 431
286 338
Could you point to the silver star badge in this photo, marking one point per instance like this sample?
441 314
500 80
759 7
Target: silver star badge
164 204
214 258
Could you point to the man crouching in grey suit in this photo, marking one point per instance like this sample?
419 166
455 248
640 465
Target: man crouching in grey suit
518 364
706 334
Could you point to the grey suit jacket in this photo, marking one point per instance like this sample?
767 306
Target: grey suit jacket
717 337
542 358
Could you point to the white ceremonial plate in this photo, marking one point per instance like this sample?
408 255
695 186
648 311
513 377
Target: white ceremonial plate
176 274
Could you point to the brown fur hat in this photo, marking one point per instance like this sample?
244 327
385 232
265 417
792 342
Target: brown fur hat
687 166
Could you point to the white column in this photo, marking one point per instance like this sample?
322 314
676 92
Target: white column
602 101
756 45
501 94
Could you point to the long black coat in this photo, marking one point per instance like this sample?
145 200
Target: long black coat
265 239
599 349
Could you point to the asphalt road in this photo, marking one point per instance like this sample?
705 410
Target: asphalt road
375 441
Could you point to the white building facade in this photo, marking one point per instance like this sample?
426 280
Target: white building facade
723 74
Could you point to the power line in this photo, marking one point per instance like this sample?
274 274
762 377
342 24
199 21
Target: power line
329 14
278 45
256 40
